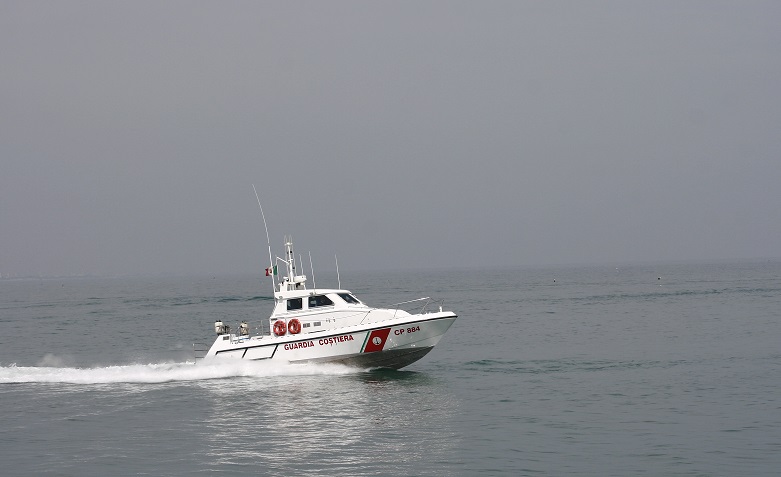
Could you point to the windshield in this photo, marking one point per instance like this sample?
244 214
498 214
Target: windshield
349 298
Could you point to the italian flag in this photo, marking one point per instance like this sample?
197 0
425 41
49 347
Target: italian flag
271 271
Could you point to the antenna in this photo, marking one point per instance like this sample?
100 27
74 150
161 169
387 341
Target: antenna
337 272
314 283
270 260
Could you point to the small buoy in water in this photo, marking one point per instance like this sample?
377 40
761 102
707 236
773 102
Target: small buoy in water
658 278
554 280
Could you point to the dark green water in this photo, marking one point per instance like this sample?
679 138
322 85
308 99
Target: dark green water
603 371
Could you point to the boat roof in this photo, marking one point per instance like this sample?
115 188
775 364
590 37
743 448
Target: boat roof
300 293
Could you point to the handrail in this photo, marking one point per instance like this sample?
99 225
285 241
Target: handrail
441 304
364 318
410 301
395 307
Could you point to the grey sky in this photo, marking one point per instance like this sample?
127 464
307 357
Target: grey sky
394 134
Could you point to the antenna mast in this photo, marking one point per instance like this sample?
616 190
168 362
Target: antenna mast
337 272
268 241
314 283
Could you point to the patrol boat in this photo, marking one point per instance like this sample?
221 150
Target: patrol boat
332 325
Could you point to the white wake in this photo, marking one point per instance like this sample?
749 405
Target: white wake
164 372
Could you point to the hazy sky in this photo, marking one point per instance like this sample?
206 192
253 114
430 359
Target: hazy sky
395 134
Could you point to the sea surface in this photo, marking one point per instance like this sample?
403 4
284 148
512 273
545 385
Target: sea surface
658 370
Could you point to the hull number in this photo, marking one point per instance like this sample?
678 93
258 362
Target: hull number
409 330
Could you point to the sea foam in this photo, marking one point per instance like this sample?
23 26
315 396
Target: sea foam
164 372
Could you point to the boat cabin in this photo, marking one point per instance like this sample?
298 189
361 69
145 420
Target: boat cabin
314 308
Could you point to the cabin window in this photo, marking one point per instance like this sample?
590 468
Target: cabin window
295 304
317 323
349 299
319 300
306 325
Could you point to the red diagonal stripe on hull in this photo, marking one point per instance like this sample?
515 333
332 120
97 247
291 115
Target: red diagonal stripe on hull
376 340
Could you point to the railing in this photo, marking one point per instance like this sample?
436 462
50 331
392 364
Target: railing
440 303
397 306
409 309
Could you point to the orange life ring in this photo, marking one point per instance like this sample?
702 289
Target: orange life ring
294 326
280 328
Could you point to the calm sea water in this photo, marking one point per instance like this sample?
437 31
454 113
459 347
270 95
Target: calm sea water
599 371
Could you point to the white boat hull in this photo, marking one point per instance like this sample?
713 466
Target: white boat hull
391 343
